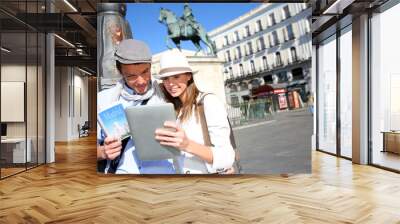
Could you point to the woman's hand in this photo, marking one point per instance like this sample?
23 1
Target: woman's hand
168 137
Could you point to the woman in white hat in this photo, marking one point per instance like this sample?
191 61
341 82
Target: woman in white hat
178 84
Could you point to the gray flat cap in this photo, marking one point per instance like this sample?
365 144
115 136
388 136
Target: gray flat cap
131 51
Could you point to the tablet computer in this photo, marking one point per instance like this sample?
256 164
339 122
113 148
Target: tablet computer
143 121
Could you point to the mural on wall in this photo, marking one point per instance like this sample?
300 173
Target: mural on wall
206 130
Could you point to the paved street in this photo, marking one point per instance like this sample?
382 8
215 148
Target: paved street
282 145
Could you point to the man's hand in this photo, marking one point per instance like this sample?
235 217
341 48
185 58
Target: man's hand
112 147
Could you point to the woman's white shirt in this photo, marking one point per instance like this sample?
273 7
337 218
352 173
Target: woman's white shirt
219 131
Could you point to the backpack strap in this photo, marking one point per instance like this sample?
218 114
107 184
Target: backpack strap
206 134
144 102
203 121
204 126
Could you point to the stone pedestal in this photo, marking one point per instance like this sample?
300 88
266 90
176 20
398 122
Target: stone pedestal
210 72
112 28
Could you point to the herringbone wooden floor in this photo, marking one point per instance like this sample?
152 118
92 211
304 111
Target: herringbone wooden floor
70 191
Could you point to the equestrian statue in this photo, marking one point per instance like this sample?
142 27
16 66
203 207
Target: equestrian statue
185 28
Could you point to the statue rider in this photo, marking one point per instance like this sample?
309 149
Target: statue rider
188 19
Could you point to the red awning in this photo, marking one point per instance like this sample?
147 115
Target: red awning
264 89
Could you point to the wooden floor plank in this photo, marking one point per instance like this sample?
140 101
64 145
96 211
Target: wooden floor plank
70 191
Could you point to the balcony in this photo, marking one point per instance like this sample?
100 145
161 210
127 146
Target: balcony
260 72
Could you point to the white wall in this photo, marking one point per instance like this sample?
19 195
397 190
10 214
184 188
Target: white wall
71 102
33 126
61 103
80 98
15 73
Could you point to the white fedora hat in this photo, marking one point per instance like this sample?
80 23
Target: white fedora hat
173 62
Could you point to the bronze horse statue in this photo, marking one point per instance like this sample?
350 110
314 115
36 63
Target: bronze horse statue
180 30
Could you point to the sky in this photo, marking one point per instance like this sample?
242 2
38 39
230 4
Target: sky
143 19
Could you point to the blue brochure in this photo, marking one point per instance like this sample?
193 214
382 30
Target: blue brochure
113 121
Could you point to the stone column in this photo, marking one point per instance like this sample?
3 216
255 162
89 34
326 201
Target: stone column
360 90
50 92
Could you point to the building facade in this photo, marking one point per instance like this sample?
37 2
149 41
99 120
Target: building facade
270 45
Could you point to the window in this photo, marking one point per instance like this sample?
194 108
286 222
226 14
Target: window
345 92
278 59
303 6
282 77
261 43
271 43
286 13
253 67
234 99
265 64
255 83
22 60
243 86
241 72
275 38
226 40
250 48
307 24
237 35
293 53
248 31
239 52
385 87
228 56
272 19
297 74
259 25
268 79
233 88
290 32
327 95
230 72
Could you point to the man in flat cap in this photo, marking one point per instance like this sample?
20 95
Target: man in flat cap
133 60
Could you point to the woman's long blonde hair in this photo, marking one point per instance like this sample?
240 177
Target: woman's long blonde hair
184 109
